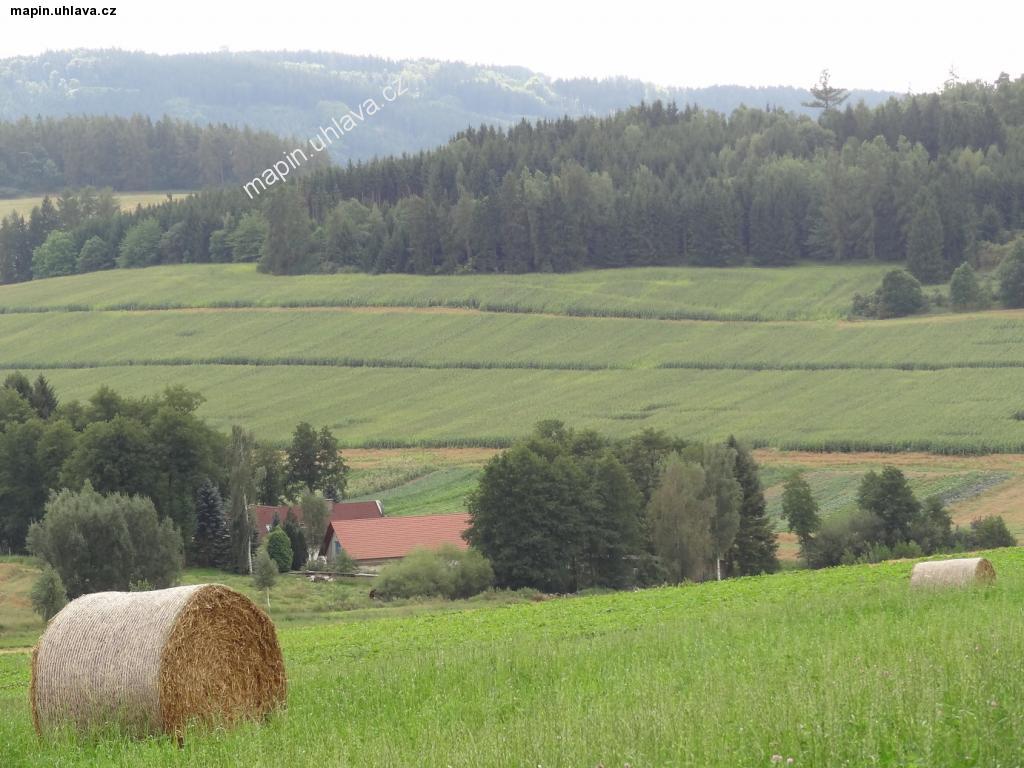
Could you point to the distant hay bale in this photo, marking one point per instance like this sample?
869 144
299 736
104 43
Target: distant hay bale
153 662
961 572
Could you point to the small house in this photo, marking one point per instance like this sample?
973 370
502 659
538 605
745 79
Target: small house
380 540
265 515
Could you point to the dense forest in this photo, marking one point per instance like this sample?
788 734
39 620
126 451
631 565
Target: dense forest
48 155
922 179
295 93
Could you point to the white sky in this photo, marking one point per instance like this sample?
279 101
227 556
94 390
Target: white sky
892 45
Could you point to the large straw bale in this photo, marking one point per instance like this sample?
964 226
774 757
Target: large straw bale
960 572
153 662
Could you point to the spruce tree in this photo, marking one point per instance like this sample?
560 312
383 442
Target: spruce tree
925 242
754 549
300 554
965 293
212 542
43 399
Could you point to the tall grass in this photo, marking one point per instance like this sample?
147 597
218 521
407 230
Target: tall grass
840 667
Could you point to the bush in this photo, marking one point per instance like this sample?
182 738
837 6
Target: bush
48 594
989 533
447 572
899 295
1011 278
279 547
99 543
264 572
965 292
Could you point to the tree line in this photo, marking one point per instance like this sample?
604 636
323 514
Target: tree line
48 154
889 521
922 180
564 510
201 482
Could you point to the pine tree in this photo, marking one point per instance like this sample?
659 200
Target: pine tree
300 553
965 292
826 96
212 541
754 549
286 249
43 399
925 241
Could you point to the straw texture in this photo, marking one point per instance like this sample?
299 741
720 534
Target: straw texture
152 662
961 572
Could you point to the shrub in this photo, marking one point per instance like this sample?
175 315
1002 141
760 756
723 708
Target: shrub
279 547
1011 277
48 594
264 572
446 572
965 292
899 294
56 256
99 543
989 533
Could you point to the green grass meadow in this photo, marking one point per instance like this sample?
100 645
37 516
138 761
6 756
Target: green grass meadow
806 292
843 667
391 360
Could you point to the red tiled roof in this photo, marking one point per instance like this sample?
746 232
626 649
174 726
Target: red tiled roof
387 537
341 510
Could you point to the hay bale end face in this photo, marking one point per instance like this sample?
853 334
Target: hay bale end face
153 662
962 572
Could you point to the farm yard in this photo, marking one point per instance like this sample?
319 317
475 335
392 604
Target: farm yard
845 666
475 361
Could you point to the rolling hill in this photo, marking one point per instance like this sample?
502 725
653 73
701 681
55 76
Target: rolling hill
476 360
294 93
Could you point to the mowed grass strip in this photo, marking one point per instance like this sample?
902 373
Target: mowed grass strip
803 292
839 667
398 338
127 201
941 411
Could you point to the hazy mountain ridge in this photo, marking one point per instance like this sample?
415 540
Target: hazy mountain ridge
294 93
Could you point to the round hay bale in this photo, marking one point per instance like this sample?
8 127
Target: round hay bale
153 662
962 572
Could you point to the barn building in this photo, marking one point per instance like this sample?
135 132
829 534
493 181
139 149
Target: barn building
375 541
265 515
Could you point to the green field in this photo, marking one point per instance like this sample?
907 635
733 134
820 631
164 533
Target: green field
128 200
701 293
404 360
838 667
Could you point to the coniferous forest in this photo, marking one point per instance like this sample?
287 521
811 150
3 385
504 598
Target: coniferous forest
924 179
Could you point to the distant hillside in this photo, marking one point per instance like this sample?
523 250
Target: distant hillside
297 93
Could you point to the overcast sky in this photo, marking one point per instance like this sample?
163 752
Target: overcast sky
890 45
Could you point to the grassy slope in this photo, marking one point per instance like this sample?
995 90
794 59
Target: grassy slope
798 292
24 205
840 667
417 374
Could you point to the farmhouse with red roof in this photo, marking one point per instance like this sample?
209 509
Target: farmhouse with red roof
265 515
378 540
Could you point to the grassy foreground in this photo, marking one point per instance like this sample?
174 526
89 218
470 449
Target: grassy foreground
844 667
